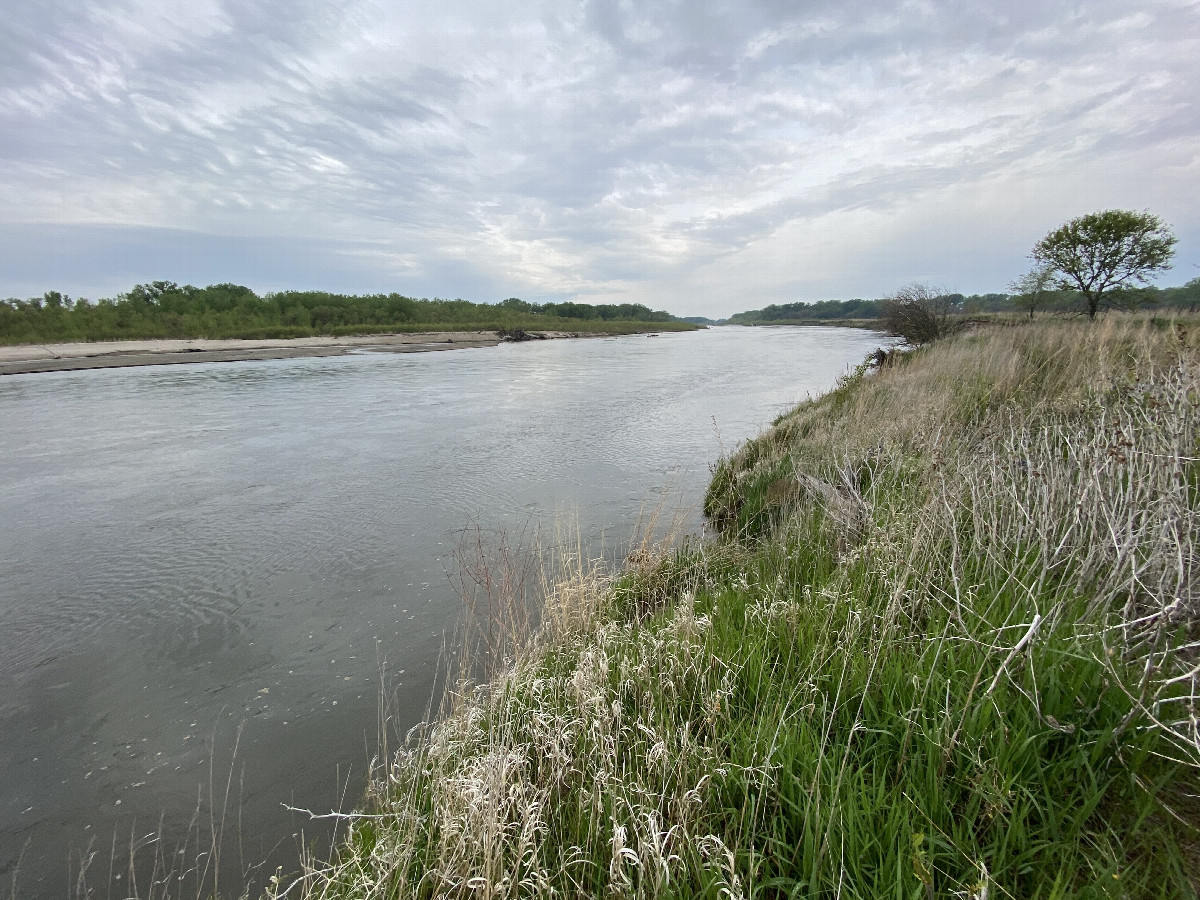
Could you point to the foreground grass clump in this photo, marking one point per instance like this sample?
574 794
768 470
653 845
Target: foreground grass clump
944 646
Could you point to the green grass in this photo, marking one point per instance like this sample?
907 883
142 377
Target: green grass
943 646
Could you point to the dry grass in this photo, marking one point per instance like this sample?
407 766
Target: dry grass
149 865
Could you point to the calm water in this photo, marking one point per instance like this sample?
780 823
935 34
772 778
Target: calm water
193 553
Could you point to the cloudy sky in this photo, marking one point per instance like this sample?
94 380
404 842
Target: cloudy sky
703 157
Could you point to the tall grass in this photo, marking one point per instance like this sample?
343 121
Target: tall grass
205 859
945 645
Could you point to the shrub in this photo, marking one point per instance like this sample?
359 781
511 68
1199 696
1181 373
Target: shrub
919 314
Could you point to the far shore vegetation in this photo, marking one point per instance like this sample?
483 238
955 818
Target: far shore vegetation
1036 299
167 310
1103 260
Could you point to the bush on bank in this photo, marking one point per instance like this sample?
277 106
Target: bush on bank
944 645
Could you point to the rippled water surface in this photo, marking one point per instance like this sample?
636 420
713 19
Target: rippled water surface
202 565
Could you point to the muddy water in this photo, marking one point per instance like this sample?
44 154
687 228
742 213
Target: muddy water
201 566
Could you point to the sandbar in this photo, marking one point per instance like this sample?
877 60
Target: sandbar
26 358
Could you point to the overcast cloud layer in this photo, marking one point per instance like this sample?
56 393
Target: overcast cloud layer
701 157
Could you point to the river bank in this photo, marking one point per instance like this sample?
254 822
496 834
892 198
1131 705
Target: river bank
26 358
943 645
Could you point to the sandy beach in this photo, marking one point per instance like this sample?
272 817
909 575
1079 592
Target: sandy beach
111 354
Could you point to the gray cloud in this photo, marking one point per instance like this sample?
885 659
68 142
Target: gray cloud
676 154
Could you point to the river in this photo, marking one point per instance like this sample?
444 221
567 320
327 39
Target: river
203 566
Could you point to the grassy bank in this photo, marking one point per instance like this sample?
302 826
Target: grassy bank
944 645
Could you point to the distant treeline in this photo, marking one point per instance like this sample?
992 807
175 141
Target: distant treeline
1186 297
805 312
167 310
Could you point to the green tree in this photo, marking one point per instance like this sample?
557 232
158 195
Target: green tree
1106 253
1185 297
1033 289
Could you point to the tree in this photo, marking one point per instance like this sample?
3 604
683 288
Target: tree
1187 296
1033 288
919 314
1106 252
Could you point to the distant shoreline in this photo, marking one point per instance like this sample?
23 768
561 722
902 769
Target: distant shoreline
869 324
29 358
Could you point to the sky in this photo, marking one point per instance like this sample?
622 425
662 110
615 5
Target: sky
700 157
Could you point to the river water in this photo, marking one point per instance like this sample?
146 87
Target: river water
202 566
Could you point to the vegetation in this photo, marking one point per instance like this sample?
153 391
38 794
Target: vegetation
1104 259
1025 299
808 313
919 314
943 645
1033 290
1185 297
166 310
1103 254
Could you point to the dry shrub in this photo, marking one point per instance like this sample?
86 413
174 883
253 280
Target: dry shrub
919 314
524 590
496 576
